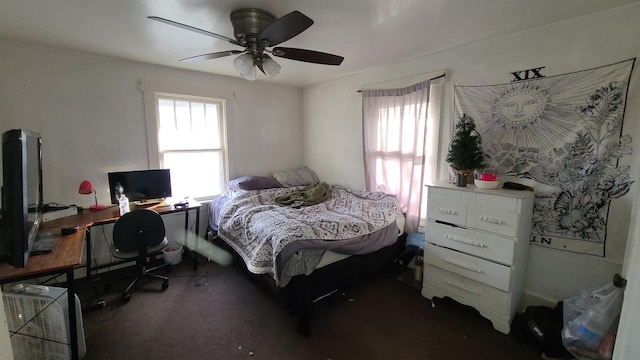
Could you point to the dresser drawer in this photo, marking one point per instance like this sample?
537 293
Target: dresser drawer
492 202
476 248
462 287
483 245
480 270
447 205
493 220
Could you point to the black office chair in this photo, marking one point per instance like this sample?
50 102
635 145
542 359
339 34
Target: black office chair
139 234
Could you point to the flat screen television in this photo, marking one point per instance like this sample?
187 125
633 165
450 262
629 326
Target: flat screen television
141 185
22 203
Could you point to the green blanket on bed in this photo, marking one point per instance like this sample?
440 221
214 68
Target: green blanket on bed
309 195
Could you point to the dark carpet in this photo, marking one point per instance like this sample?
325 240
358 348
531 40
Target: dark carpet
217 313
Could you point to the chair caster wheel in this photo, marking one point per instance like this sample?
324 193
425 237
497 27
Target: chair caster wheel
165 284
126 297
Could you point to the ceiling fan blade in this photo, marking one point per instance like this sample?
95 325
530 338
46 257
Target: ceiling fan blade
211 56
191 28
311 56
285 28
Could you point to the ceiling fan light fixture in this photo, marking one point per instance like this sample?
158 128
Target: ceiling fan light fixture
251 75
255 30
244 64
270 67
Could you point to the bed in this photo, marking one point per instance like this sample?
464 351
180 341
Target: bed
307 240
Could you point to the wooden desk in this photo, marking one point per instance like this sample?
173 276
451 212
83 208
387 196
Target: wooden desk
67 252
111 214
65 256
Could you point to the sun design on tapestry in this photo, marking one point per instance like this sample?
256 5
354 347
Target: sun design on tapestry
562 134
520 109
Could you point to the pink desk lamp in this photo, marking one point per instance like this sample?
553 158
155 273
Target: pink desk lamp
87 188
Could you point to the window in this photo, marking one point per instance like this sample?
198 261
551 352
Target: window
401 130
191 143
394 129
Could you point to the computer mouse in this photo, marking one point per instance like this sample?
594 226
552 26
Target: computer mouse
68 230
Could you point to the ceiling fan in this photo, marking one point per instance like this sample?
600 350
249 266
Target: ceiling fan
256 30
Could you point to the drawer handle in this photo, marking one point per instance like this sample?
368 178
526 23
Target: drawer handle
465 241
463 265
462 286
447 211
491 220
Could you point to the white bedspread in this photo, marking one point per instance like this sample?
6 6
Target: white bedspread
259 230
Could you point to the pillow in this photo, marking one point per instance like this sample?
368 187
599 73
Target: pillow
298 177
251 182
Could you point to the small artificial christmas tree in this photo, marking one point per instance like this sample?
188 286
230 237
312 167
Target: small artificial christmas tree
465 149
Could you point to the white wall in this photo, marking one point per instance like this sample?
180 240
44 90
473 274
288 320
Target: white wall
332 114
90 113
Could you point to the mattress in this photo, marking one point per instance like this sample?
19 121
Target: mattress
286 242
327 257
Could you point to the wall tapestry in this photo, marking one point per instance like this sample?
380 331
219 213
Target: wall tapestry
562 135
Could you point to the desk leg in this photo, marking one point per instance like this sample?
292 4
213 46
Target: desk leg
194 255
198 221
87 239
73 333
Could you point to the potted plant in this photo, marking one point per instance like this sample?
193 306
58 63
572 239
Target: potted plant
465 150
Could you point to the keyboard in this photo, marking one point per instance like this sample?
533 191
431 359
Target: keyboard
43 244
146 203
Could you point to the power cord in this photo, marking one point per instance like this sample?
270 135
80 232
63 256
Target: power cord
200 279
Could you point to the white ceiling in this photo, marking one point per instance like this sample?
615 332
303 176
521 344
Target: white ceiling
368 33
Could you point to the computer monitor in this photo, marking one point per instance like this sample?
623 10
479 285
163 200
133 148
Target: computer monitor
141 185
22 203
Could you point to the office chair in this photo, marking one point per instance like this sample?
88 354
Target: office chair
138 235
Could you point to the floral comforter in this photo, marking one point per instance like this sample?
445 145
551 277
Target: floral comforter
267 235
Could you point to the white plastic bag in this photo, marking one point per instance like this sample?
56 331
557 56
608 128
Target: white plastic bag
591 322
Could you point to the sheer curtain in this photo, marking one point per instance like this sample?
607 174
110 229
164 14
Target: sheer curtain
394 131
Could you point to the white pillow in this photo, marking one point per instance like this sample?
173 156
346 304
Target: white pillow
298 177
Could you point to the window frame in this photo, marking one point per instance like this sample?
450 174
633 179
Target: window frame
151 99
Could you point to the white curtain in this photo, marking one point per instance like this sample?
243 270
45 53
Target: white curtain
394 131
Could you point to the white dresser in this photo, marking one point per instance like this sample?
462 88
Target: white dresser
476 248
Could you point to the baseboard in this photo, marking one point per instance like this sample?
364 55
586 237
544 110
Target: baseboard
531 299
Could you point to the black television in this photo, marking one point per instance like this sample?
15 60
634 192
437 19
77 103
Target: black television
22 203
141 185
